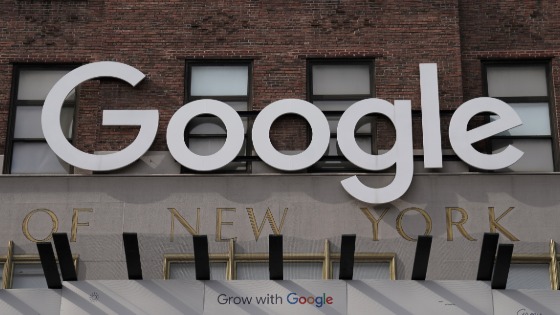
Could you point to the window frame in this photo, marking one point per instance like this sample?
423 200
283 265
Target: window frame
378 258
326 258
249 113
287 259
169 259
10 260
5 271
311 97
549 99
32 259
537 259
15 104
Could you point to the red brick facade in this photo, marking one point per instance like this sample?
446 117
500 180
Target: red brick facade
279 37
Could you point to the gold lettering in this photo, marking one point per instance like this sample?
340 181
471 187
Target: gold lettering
76 223
267 216
25 225
176 215
494 225
220 222
374 222
458 224
423 213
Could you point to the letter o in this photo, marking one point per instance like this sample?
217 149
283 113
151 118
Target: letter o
426 216
176 132
302 300
25 225
319 139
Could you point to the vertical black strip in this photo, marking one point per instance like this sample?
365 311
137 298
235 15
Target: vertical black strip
275 257
423 247
487 255
48 262
501 268
11 121
132 253
347 249
201 257
64 253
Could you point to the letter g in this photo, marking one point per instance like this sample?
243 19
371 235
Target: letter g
146 119
292 298
400 155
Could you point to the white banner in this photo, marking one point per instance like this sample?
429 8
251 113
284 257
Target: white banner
380 297
30 301
275 297
386 297
122 297
526 302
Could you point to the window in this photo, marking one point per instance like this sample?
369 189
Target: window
27 149
334 85
530 272
254 266
524 86
28 275
226 81
25 271
2 265
182 267
368 266
296 266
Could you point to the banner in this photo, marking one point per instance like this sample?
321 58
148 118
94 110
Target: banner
123 297
275 297
526 302
386 297
30 301
380 297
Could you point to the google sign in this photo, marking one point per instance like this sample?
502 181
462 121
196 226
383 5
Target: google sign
271 299
318 301
399 114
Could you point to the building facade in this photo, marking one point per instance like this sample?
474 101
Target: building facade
250 54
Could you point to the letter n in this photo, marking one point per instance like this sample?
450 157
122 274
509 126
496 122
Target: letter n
176 215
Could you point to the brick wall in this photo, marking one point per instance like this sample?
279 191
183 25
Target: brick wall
279 36
509 30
